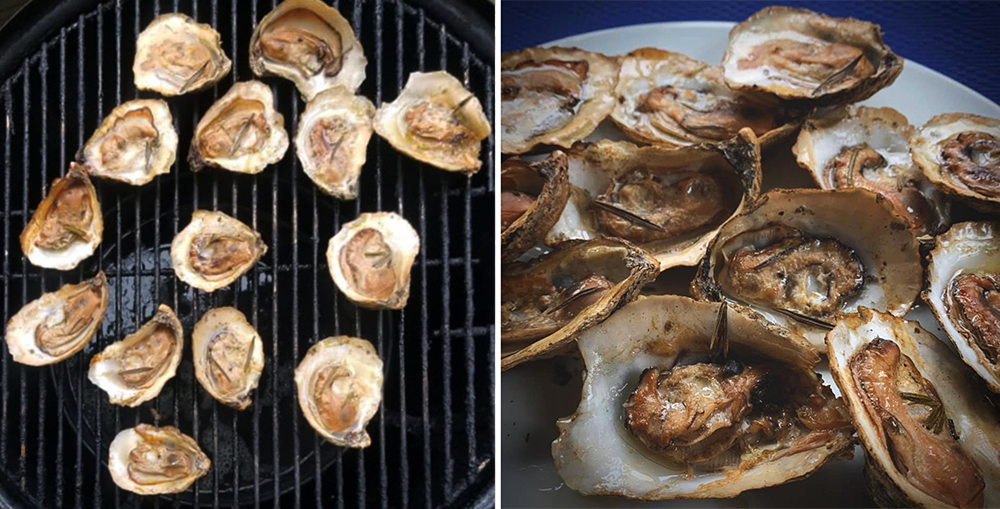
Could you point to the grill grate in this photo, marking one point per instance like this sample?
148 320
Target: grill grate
432 440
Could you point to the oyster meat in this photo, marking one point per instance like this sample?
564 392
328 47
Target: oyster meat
808 58
437 121
214 250
547 302
228 356
532 197
134 370
332 140
858 146
176 55
963 291
960 154
241 132
309 43
701 401
801 258
67 226
149 460
370 260
930 437
668 98
134 144
339 385
553 96
59 324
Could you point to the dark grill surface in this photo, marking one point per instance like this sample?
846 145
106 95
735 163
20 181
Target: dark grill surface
432 440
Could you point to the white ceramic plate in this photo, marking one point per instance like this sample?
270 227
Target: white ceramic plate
534 395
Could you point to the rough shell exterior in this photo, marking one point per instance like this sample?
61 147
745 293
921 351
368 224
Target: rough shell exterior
535 223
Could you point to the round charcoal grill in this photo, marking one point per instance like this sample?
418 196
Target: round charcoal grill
64 66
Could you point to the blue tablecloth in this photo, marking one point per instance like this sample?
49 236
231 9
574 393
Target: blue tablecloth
958 39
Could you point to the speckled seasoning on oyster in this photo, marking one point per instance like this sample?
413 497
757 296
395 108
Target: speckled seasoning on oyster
553 96
149 460
960 154
858 146
532 197
214 250
809 58
59 324
134 144
309 43
175 55
332 140
228 356
370 260
436 120
930 438
700 401
67 226
339 385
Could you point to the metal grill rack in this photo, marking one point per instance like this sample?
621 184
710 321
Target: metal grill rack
432 440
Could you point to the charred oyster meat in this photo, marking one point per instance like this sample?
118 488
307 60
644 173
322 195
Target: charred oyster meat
370 260
332 140
175 55
149 460
134 144
67 226
960 154
228 356
214 250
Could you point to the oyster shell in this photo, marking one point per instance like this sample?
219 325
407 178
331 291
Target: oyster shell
67 226
309 43
963 291
148 460
370 260
667 98
672 412
858 146
175 55
58 324
134 370
332 140
668 201
532 197
228 356
547 302
214 250
930 438
809 58
437 121
800 258
340 388
134 144
960 154
553 96
241 132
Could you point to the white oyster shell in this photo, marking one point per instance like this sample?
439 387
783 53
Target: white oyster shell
228 356
332 140
134 144
175 55
46 242
370 259
207 228
157 448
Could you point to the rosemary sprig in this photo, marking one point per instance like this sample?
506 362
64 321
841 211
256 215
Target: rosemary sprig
628 216
815 322
935 421
837 76
573 298
719 344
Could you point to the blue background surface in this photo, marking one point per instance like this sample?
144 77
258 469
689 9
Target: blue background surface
958 39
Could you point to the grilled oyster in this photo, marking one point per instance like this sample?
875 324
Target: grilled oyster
228 356
340 388
669 201
963 290
437 121
667 98
930 438
134 144
858 146
698 402
175 55
67 226
802 257
960 154
532 197
241 132
58 324
148 460
547 302
134 370
214 250
809 58
332 140
370 260
309 43
553 96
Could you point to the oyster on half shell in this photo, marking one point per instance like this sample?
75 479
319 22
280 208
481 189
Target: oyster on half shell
532 197
332 140
134 144
67 226
149 461
960 154
175 55
214 250
370 260
228 356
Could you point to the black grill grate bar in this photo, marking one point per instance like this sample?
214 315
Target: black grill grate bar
43 75
60 478
25 131
424 343
294 121
446 307
383 481
4 417
470 347
361 485
404 473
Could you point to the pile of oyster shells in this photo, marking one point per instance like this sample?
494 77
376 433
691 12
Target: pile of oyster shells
712 395
434 120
